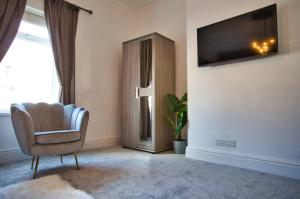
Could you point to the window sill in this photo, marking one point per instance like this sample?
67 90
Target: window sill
4 113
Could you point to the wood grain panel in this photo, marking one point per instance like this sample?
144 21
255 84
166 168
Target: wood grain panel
130 105
164 84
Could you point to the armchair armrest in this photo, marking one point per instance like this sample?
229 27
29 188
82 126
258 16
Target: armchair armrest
23 126
80 122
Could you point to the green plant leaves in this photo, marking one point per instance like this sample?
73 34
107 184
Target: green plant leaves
172 123
183 98
181 119
173 102
179 108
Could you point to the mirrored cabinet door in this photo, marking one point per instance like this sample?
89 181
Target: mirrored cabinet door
145 89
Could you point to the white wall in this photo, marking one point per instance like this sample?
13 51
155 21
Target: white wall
256 103
98 63
167 17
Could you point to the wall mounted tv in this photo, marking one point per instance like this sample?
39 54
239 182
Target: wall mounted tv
248 36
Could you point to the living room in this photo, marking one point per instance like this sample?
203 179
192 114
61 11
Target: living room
243 113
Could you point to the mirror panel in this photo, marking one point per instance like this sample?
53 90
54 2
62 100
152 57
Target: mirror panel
146 119
145 63
146 101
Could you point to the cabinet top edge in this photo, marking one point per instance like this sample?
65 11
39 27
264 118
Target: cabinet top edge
154 33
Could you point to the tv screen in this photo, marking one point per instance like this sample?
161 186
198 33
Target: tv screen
248 36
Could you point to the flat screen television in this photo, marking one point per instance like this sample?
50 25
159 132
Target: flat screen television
248 36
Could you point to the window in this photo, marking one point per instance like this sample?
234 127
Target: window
27 72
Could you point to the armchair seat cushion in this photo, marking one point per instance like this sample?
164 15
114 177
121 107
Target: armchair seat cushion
56 137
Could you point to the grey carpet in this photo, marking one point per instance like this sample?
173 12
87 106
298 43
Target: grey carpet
121 173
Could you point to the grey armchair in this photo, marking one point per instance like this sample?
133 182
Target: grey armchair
49 129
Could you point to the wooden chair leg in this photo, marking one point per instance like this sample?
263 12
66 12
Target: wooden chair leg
36 166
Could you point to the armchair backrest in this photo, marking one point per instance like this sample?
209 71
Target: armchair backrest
46 117
52 117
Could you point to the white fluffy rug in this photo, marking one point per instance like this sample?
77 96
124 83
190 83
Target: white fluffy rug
49 187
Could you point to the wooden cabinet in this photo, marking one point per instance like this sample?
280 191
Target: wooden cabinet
148 74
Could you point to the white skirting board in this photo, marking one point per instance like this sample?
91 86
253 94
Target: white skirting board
257 163
16 155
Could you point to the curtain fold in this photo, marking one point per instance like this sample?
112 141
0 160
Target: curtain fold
11 13
61 18
145 81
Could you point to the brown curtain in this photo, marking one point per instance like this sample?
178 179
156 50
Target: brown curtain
61 18
145 81
11 13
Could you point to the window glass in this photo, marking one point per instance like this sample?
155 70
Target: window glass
27 72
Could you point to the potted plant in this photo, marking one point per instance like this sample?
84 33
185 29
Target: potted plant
178 121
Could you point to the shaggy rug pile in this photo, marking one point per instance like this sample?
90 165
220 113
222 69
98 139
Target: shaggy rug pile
50 187
117 173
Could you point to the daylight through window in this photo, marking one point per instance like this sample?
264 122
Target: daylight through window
27 72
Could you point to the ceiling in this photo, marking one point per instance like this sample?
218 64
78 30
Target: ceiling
137 4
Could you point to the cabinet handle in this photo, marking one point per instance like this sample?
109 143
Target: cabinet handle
137 92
